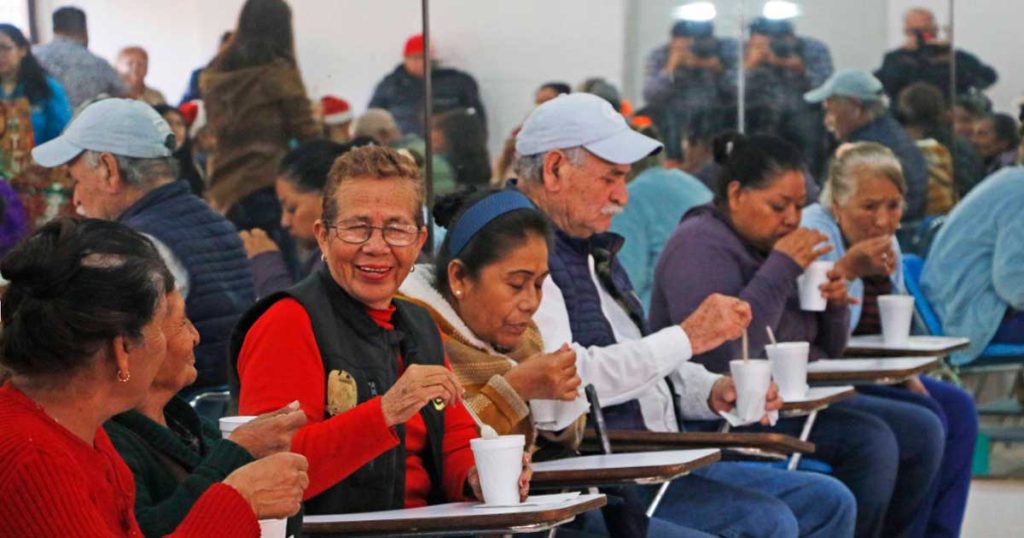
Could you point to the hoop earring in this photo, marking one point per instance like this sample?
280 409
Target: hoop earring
323 257
123 376
413 270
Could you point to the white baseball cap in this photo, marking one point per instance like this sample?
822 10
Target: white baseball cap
124 127
583 119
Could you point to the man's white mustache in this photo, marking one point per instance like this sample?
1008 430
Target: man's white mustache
613 209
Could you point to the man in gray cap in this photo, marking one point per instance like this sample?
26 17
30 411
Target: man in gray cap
119 152
573 155
856 111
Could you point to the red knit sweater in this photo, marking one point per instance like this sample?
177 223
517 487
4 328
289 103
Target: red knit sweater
280 362
54 484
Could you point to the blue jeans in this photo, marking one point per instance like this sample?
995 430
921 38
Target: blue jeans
943 512
886 452
750 499
1011 330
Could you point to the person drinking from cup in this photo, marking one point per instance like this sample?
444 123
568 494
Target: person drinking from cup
83 336
387 426
748 243
573 155
174 453
859 211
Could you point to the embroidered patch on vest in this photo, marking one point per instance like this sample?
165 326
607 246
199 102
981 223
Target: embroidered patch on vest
342 393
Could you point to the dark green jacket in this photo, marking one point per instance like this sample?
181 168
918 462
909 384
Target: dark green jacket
169 475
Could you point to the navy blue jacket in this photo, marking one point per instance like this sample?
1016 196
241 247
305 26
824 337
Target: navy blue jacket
220 281
402 94
887 132
570 271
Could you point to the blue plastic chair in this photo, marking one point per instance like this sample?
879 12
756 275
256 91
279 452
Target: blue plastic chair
928 320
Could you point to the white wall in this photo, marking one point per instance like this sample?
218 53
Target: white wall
991 29
346 46
511 46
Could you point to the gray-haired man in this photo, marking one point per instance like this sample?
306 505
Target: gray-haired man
119 156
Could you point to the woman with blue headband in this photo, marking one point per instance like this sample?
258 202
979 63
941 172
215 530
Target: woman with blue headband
387 428
482 291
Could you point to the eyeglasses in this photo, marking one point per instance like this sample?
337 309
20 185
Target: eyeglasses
396 235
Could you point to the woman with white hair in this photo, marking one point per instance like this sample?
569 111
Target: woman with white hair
859 210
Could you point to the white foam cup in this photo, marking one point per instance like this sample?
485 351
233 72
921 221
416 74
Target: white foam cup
896 311
543 412
809 285
269 528
273 528
499 462
752 378
789 368
230 424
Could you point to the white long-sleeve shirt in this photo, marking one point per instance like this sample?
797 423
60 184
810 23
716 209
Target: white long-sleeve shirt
634 368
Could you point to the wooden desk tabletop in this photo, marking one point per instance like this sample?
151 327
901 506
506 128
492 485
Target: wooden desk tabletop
869 371
818 397
646 441
872 345
452 519
614 469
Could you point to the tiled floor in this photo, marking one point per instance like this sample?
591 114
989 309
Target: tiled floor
994 509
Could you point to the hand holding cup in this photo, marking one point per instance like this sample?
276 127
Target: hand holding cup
550 376
273 486
269 433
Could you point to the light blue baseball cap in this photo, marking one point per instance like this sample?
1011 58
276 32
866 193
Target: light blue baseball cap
124 127
859 85
583 119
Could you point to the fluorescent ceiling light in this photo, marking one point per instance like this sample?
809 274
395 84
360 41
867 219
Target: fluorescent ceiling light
696 11
778 10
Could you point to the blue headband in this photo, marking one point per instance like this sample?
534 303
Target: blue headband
481 213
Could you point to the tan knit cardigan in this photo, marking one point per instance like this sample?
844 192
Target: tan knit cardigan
481 370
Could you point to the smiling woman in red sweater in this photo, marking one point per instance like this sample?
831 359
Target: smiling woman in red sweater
386 427
83 339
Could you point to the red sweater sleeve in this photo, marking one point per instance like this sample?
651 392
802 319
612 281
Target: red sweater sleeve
45 496
280 363
459 428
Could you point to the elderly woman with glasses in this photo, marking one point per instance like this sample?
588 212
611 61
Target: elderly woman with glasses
387 427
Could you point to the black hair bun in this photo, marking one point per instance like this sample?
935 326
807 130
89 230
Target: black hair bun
41 269
724 145
447 206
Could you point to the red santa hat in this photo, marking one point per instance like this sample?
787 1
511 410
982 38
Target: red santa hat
414 45
335 110
195 116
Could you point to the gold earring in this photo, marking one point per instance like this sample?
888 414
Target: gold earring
123 375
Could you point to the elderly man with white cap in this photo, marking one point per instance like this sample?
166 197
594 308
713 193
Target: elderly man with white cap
119 156
856 110
573 155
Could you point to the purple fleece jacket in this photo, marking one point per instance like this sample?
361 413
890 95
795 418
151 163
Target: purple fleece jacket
705 255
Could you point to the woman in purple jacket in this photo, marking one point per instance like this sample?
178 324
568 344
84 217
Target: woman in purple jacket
747 243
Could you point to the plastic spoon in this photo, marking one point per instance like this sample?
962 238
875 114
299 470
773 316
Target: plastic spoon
486 431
